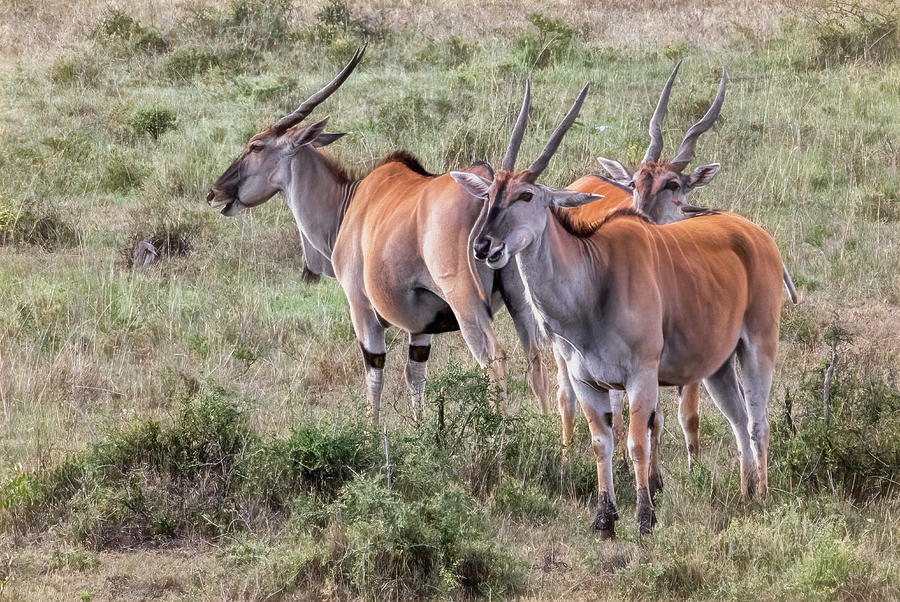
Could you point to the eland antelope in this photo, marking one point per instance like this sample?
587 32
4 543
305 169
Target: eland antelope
634 305
659 189
397 240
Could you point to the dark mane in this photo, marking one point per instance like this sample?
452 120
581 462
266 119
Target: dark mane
407 159
341 171
344 173
586 230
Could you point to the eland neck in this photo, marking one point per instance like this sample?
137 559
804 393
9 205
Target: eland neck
562 274
318 194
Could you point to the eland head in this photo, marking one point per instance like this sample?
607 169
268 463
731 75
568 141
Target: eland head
515 208
258 172
660 187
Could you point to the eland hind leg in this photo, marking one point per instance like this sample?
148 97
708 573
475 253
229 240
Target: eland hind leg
370 335
643 392
475 327
725 389
689 418
417 372
654 477
757 360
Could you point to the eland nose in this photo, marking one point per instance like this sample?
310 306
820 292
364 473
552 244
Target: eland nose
482 248
210 196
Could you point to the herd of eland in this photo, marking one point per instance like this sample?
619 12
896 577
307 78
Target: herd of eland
631 286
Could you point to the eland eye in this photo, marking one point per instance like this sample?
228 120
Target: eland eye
631 184
256 147
525 196
672 185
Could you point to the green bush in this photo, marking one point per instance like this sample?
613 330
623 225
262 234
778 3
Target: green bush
547 44
123 34
185 63
153 122
121 173
35 223
523 501
850 31
856 452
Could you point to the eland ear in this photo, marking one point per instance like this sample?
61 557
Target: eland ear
473 184
703 175
307 135
326 139
569 198
619 172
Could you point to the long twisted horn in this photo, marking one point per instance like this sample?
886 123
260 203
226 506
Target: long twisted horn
515 140
556 137
686 150
656 137
307 106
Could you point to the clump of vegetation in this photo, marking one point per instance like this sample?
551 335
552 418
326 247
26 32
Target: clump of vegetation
121 173
153 122
83 69
185 63
245 26
840 432
523 501
34 222
335 21
122 33
850 31
172 234
547 44
208 474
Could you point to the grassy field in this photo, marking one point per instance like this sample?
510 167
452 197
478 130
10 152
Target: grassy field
196 429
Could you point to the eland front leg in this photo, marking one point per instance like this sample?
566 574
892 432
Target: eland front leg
596 407
417 372
566 399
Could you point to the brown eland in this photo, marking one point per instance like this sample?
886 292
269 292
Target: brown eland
635 305
396 239
659 189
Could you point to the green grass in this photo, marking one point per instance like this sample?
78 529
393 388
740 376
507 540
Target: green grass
212 405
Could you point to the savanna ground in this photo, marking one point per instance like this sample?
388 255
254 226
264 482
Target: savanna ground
195 429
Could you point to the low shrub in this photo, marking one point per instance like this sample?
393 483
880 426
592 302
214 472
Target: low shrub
185 63
36 223
121 33
855 451
153 122
850 31
548 42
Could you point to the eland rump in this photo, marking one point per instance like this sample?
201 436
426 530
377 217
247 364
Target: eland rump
397 240
634 305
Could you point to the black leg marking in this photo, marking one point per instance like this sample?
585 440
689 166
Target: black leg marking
419 353
646 514
605 520
608 418
650 421
372 360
